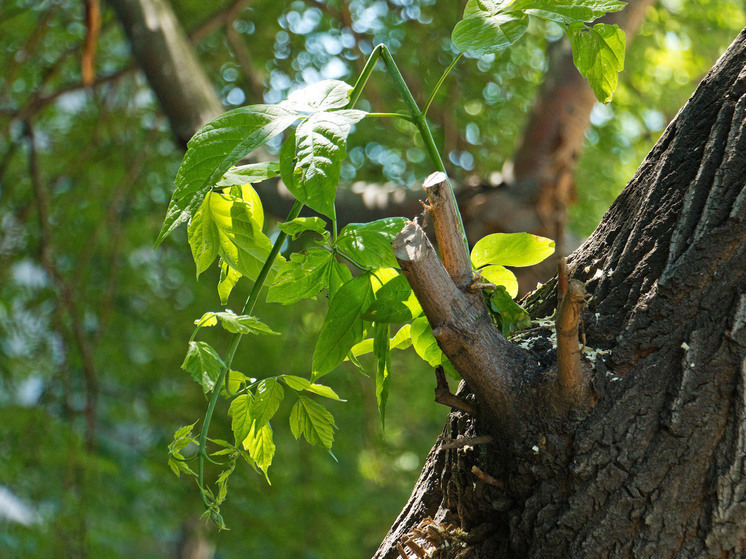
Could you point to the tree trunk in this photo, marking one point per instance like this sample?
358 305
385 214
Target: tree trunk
164 54
654 463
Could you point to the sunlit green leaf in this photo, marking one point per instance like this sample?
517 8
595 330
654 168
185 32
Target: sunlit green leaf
250 174
511 249
394 302
568 11
300 383
261 447
184 431
382 351
426 346
302 277
499 275
486 30
369 244
241 419
598 54
204 364
320 148
343 326
302 224
266 401
320 96
204 238
228 279
243 246
212 151
312 420
236 324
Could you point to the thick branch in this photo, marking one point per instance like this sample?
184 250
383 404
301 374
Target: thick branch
460 323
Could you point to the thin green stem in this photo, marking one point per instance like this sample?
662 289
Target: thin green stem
421 123
391 115
235 340
440 82
364 75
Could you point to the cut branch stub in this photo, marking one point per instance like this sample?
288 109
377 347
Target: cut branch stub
571 294
448 229
460 323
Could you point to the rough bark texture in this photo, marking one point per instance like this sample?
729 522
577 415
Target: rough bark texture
657 467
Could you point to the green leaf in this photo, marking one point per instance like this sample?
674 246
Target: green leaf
239 221
320 148
513 317
184 431
369 244
266 401
228 279
313 421
241 418
236 380
236 324
302 224
302 277
484 30
403 338
424 343
395 302
511 249
568 11
300 383
382 351
261 447
213 149
204 364
320 96
499 275
339 274
598 54
426 346
249 174
204 238
343 326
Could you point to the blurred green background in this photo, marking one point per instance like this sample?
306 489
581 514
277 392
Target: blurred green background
94 323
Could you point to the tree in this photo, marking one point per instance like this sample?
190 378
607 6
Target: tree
99 156
650 461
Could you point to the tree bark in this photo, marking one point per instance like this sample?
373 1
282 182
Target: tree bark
164 54
656 467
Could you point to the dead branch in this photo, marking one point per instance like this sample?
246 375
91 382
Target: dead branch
465 333
571 295
443 394
447 224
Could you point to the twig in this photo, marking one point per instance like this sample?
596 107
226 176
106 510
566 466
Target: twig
487 478
571 296
443 394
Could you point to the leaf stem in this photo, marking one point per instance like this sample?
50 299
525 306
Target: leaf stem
364 75
440 82
391 115
235 340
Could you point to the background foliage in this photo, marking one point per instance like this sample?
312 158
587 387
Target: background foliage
92 319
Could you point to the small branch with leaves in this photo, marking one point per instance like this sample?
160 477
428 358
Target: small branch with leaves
457 313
